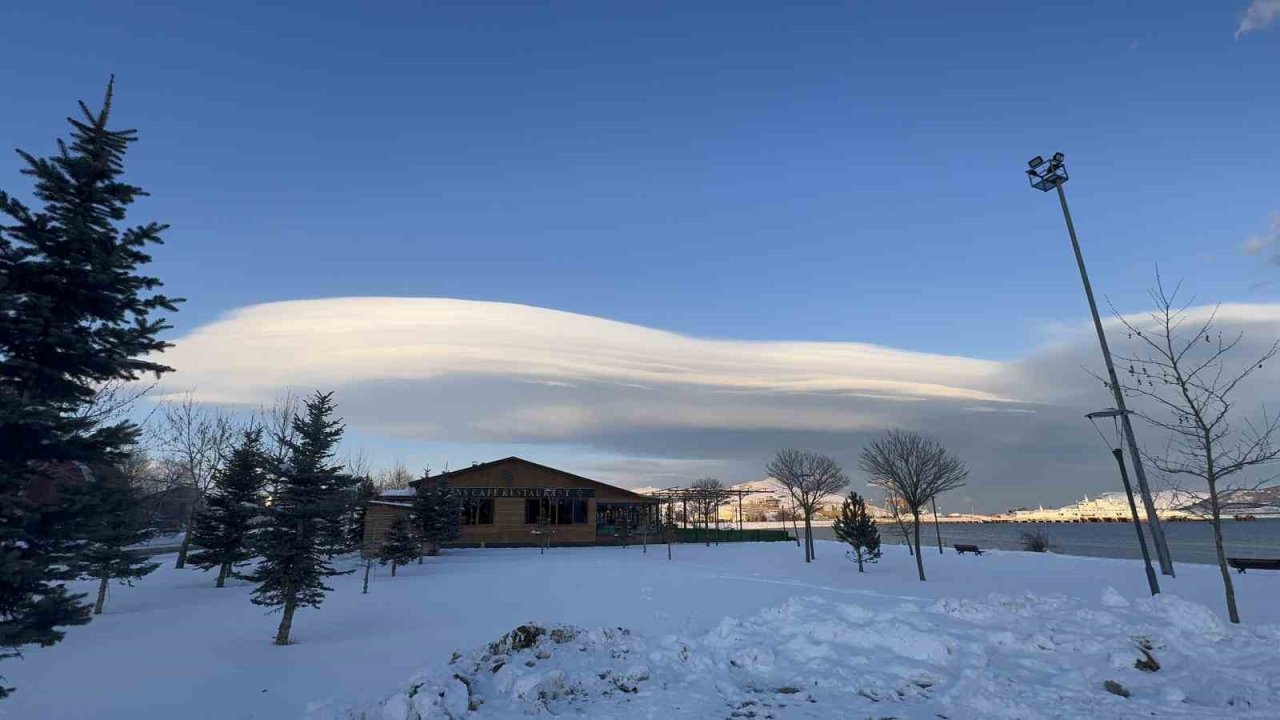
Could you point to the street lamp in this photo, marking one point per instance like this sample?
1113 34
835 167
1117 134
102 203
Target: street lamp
1051 174
1114 414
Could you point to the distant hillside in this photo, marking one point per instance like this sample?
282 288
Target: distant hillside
1265 501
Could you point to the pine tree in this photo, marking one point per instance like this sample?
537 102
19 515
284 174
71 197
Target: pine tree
222 536
365 492
303 524
400 546
75 313
108 518
437 508
856 528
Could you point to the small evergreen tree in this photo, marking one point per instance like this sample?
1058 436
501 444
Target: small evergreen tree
857 528
109 519
223 534
303 522
76 312
438 510
365 492
400 546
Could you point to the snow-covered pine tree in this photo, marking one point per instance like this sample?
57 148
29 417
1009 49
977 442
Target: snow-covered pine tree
437 508
75 313
856 528
107 519
303 522
400 545
222 535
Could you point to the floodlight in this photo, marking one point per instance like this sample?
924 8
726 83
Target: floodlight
1035 162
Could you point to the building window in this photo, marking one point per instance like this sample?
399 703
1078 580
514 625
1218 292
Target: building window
633 515
477 511
557 511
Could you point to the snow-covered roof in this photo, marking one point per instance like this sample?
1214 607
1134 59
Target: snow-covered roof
398 492
392 504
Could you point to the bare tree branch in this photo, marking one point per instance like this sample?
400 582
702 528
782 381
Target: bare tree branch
1190 385
195 438
808 478
914 470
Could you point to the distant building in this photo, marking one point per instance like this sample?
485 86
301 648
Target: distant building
503 501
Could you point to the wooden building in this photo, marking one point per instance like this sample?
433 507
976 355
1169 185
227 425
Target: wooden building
509 502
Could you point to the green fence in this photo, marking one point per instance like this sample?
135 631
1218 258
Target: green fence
726 535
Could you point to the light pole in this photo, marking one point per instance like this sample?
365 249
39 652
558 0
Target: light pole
1152 581
1046 175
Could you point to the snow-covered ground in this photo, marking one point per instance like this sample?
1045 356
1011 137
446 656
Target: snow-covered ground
734 631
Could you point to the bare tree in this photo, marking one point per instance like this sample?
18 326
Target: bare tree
114 399
915 469
808 477
707 495
898 513
277 423
357 464
1182 370
195 438
396 477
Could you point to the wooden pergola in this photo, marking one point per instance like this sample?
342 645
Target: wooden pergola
683 495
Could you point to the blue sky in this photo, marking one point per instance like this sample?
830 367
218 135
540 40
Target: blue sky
756 171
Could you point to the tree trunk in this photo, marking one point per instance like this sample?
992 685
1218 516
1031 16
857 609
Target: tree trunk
286 623
186 538
223 571
394 564
808 538
858 554
102 592
1228 587
915 517
367 565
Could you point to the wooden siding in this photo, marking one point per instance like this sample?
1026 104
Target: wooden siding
508 527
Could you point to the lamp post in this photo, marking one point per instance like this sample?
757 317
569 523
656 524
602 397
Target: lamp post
1051 174
1152 582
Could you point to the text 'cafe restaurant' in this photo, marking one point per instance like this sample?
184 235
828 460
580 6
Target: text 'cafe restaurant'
504 500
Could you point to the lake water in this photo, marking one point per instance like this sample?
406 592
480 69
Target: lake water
1189 542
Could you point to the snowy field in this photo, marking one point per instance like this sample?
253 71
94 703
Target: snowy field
735 631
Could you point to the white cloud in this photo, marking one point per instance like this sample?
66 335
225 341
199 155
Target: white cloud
645 406
1265 242
342 341
1259 15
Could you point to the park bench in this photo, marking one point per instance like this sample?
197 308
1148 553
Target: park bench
1242 564
962 549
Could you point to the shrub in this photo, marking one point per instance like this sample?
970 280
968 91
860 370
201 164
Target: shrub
1037 541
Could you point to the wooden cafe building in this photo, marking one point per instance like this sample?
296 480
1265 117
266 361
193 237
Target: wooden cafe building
511 502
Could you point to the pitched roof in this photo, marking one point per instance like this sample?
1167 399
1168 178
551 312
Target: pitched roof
513 458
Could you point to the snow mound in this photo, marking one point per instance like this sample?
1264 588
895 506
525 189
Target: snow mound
1022 657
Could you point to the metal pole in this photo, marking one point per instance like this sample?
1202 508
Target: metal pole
1152 581
1153 520
936 527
